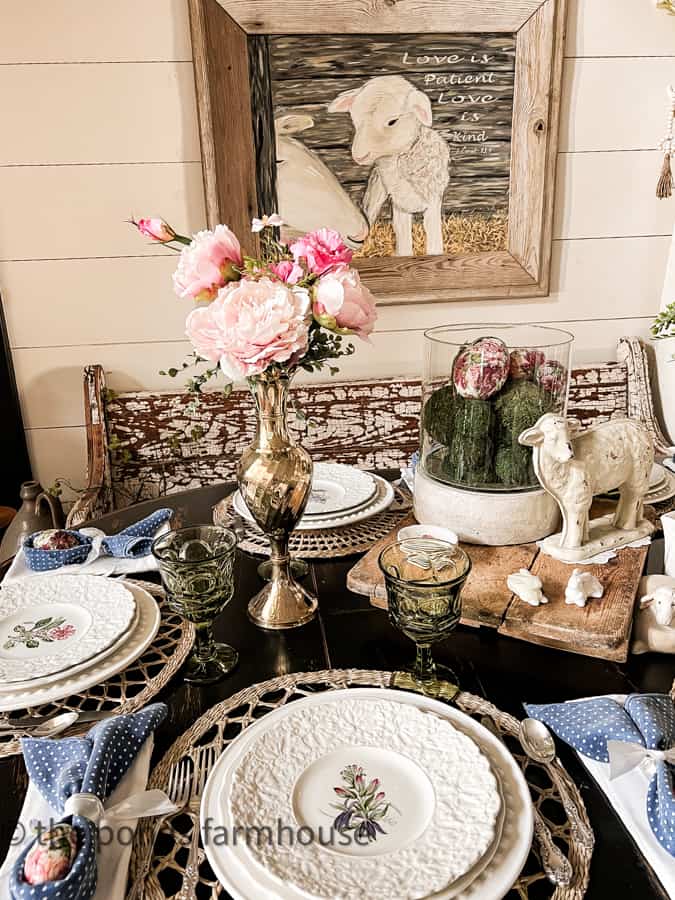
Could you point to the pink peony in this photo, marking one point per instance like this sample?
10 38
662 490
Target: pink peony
250 325
322 249
524 363
207 264
552 376
481 369
342 303
51 856
288 271
156 229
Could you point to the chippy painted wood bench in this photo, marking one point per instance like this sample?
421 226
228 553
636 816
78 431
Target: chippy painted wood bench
144 445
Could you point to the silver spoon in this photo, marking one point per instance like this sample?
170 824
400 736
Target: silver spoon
49 728
539 745
554 862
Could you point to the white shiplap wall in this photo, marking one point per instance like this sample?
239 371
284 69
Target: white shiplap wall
99 122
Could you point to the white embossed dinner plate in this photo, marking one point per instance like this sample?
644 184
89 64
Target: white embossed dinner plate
414 862
381 500
337 488
52 622
73 670
137 641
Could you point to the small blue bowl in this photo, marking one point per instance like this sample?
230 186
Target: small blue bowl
44 560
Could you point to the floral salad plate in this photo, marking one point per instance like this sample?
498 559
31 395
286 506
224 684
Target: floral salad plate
51 623
366 793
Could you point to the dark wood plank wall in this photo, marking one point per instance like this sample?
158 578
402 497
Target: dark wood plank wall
472 101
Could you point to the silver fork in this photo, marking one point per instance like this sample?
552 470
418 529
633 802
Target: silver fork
179 791
203 761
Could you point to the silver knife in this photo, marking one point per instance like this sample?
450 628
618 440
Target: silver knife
26 723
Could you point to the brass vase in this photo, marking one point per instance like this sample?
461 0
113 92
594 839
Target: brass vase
275 479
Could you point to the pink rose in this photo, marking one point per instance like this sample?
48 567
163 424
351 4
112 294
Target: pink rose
342 303
250 325
552 376
524 363
322 249
156 229
481 369
51 856
207 264
288 271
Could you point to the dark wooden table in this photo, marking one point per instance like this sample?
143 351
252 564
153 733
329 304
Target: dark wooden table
349 633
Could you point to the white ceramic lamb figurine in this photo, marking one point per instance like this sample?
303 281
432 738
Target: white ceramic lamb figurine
581 586
655 622
527 587
410 161
574 466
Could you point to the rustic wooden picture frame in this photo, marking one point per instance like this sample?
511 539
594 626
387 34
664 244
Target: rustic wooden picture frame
221 32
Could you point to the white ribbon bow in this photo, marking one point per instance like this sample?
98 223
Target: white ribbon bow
137 806
625 756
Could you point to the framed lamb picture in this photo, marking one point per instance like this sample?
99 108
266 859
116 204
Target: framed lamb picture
424 131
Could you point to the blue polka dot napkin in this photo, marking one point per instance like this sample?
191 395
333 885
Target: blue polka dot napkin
136 540
117 554
641 731
94 764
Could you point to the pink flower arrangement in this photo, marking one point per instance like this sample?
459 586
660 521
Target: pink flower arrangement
51 856
481 369
290 307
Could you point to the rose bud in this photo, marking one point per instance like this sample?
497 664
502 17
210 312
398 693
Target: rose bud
155 229
51 856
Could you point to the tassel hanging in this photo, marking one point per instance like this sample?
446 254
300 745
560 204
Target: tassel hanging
664 187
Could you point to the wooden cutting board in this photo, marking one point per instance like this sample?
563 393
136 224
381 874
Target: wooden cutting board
601 629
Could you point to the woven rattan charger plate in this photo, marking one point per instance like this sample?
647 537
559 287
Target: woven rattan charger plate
328 543
160 867
129 690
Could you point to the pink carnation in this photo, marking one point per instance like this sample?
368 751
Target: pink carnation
207 264
481 369
322 249
524 363
250 325
288 271
552 376
343 303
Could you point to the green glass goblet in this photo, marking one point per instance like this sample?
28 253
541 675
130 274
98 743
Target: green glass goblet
424 579
196 568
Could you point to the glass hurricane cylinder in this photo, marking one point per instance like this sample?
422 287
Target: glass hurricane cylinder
483 386
275 480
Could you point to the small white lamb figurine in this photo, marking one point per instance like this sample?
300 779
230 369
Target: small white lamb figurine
655 622
581 586
527 587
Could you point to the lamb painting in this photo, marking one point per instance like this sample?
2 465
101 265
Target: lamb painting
408 161
400 142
